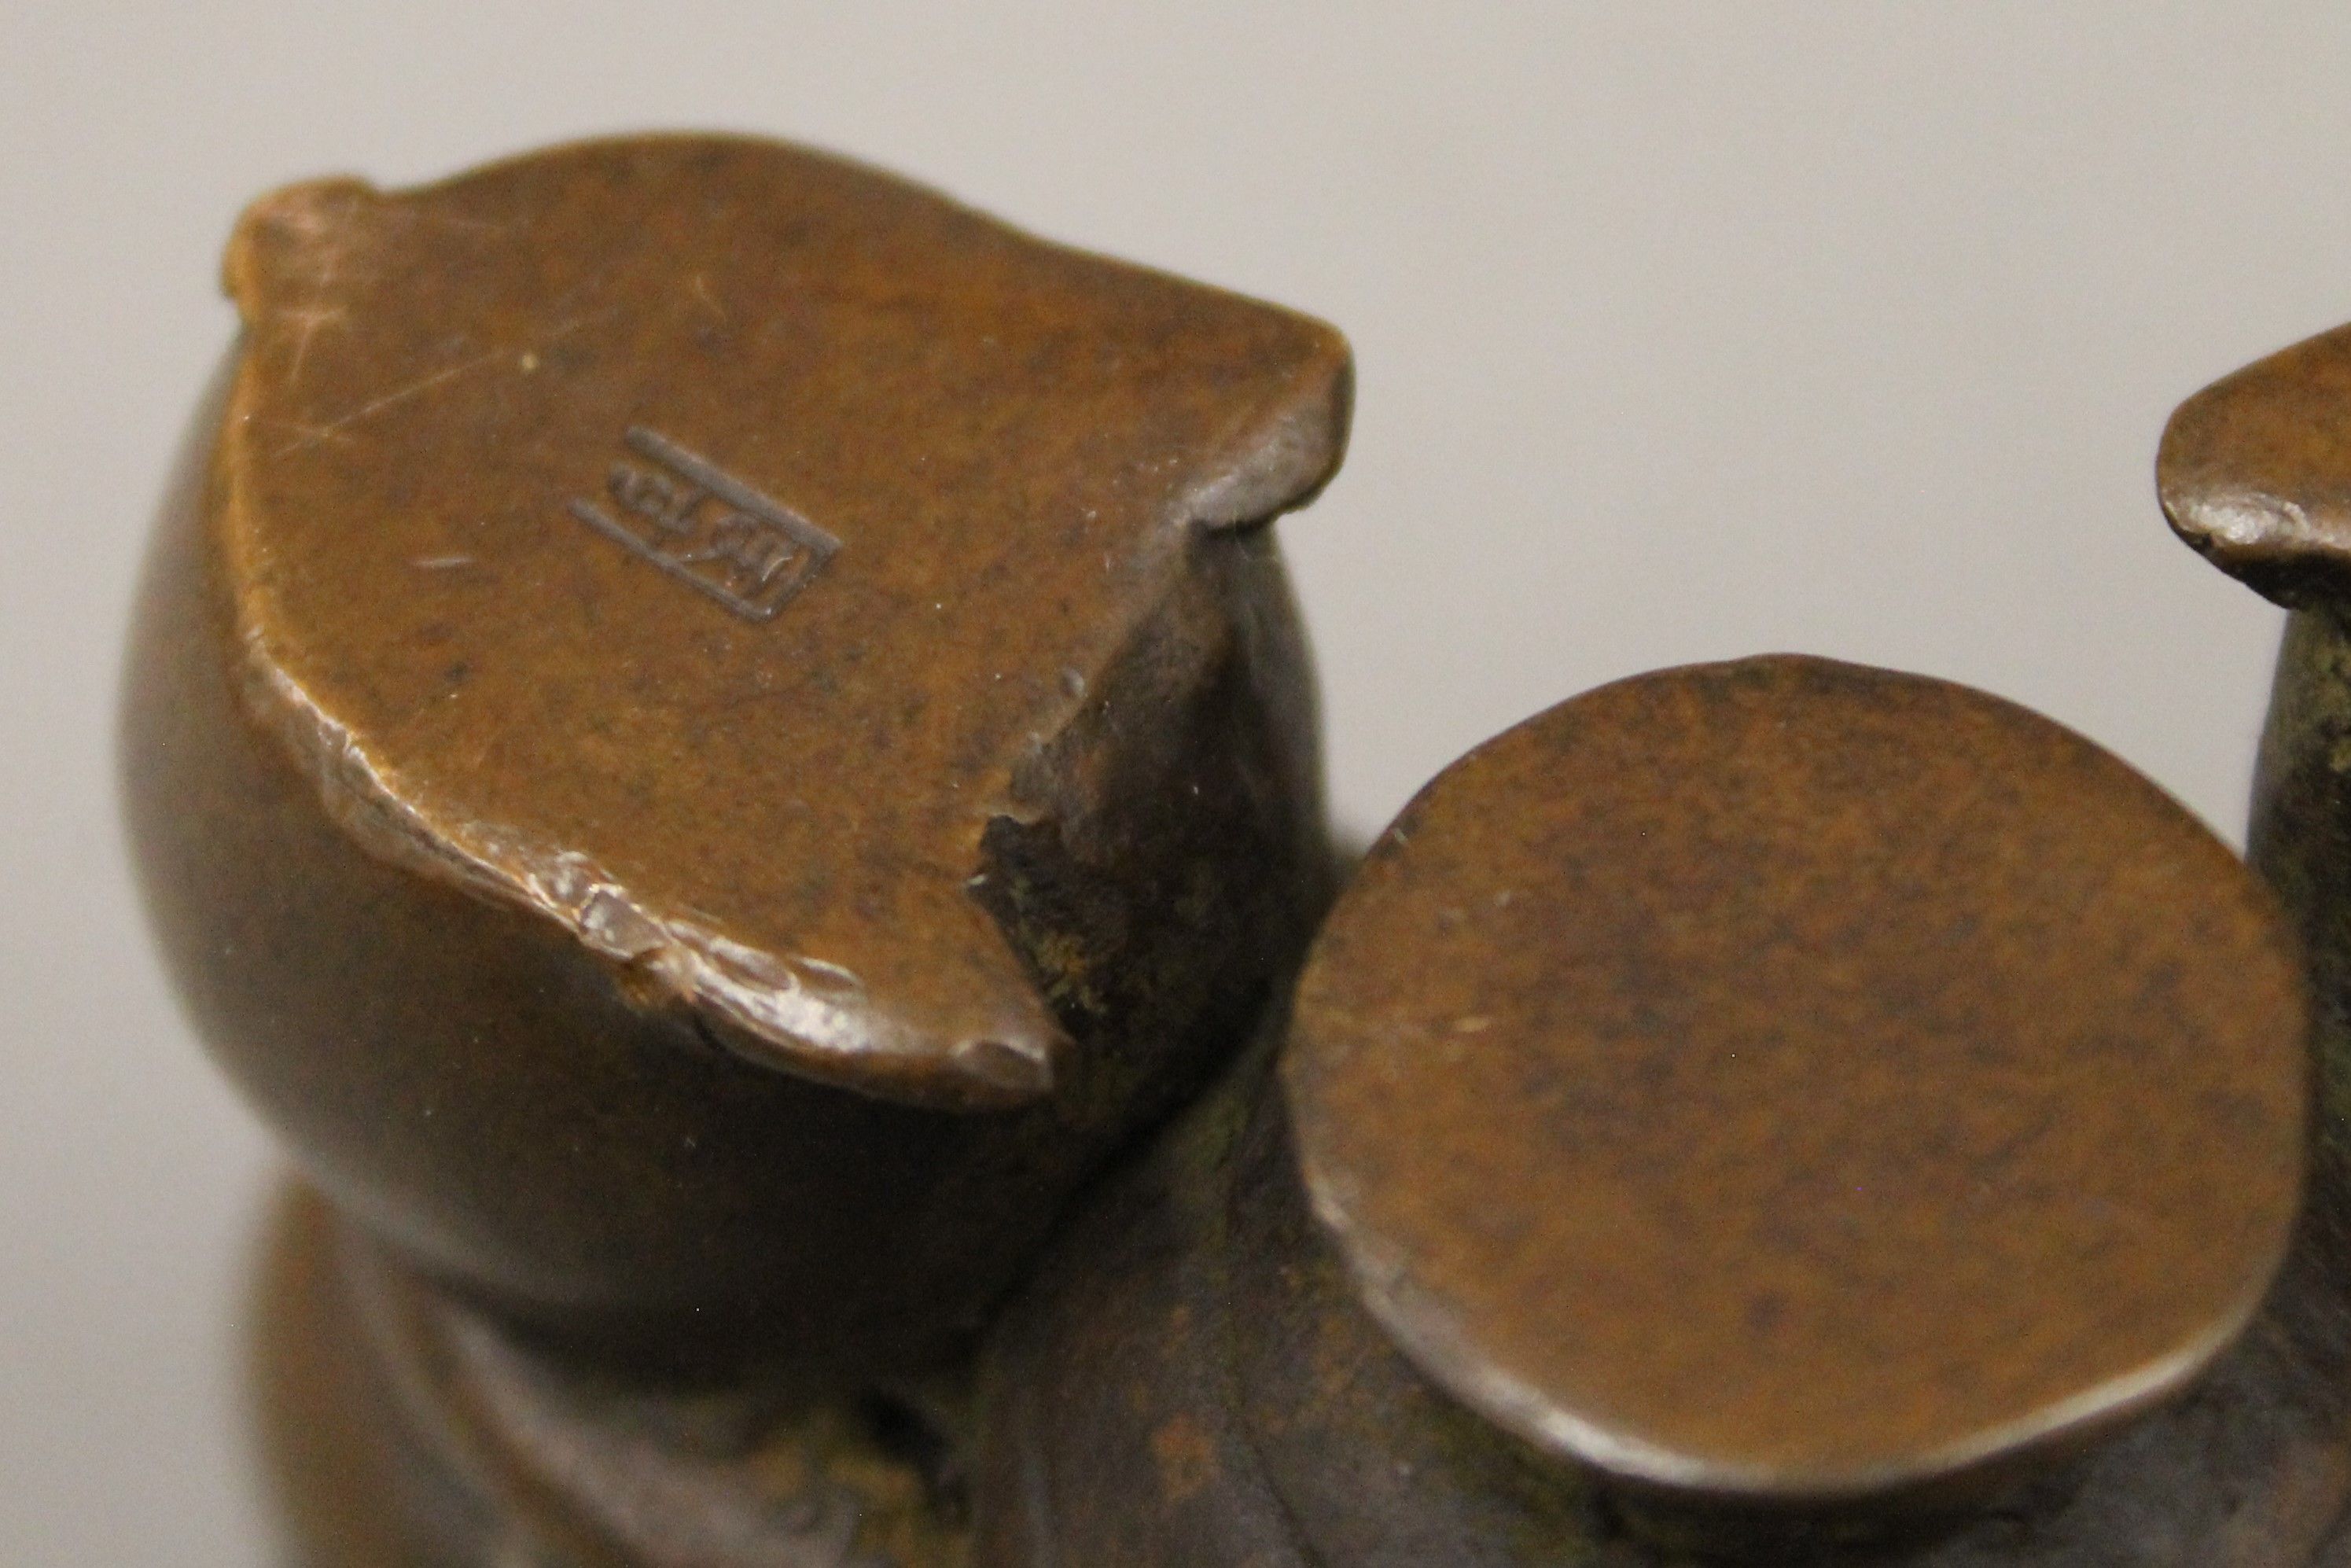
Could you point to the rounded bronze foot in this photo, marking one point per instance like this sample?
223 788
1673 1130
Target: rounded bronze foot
709 734
1771 1111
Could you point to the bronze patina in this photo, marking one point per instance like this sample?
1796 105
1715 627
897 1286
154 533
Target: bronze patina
2255 473
1775 1111
709 732
713 736
1810 1081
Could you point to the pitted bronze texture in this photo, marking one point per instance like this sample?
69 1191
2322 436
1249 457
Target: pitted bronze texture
2014 1159
1809 1081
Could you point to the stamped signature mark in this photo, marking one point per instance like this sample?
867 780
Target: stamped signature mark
707 529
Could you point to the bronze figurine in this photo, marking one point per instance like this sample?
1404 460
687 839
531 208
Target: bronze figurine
721 746
1775 1111
710 733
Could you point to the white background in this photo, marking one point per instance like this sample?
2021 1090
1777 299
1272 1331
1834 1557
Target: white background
1684 330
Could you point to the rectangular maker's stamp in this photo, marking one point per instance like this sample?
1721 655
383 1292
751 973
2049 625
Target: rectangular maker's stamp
707 529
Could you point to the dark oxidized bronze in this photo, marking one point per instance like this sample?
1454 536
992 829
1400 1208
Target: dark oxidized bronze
718 741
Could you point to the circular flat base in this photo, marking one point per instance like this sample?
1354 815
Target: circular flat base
1786 1081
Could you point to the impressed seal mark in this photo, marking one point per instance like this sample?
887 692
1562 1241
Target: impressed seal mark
707 529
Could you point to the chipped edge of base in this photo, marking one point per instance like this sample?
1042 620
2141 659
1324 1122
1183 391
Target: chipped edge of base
815 1015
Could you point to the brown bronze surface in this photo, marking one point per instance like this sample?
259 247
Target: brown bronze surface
1194 1380
709 731
351 1482
2255 472
711 734
2042 985
1805 1081
402 1429
689 541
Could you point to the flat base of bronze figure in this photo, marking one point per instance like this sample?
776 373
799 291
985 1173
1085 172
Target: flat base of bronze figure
401 1429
